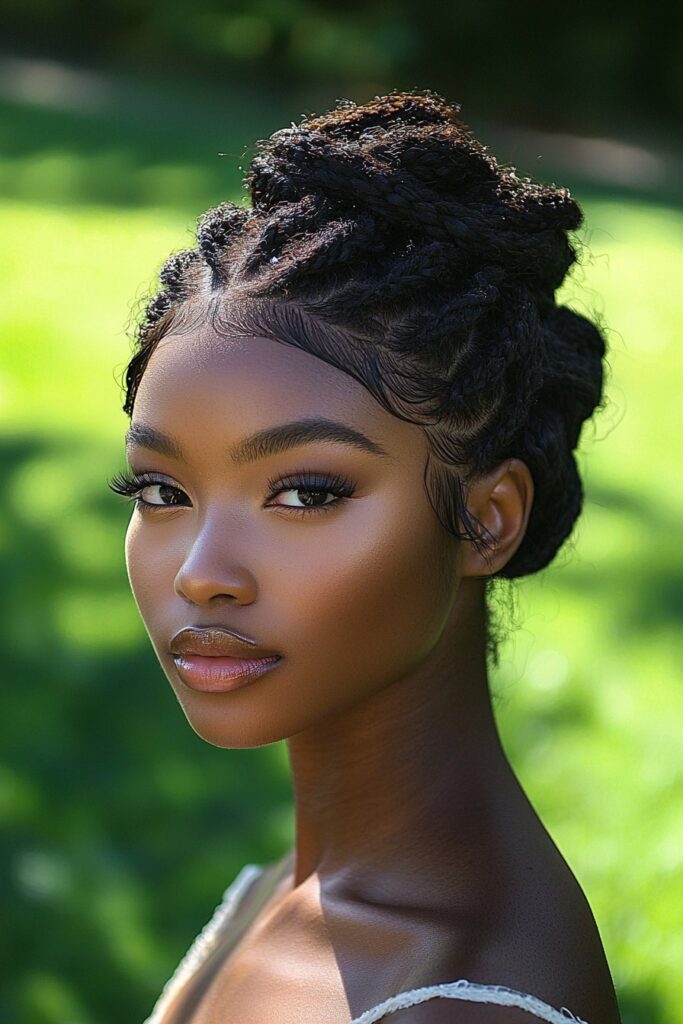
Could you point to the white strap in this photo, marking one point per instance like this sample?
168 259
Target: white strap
472 993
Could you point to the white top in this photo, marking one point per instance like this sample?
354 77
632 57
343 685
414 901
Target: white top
227 913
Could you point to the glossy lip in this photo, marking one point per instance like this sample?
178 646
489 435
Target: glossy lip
214 659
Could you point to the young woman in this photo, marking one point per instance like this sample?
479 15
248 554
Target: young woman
353 406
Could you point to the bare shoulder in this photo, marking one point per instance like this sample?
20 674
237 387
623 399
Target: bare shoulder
559 959
547 946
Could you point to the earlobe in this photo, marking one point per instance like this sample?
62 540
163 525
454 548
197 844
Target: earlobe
500 503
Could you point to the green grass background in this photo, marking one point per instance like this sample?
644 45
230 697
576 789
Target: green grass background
120 827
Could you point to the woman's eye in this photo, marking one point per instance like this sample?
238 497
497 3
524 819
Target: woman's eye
147 494
309 490
307 497
160 494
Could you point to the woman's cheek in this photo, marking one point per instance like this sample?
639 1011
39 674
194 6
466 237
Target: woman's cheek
378 596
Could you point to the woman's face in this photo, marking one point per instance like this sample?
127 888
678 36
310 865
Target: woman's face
352 592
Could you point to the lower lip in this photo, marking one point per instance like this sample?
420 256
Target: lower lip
217 675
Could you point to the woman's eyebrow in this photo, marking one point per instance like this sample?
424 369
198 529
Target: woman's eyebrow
269 441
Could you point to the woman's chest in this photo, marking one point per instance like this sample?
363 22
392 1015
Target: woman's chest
288 968
301 962
252 989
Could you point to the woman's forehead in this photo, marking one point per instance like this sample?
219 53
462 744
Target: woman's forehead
252 379
207 362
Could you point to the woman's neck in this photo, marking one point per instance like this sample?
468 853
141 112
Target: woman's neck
408 787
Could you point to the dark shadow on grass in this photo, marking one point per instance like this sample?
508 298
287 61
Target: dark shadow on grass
641 1006
136 147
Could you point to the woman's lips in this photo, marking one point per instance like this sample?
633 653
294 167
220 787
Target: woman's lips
218 674
213 659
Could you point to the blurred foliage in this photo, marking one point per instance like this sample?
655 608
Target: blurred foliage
121 828
603 66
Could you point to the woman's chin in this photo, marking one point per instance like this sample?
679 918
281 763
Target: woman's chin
222 727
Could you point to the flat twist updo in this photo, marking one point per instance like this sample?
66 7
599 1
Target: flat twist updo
386 240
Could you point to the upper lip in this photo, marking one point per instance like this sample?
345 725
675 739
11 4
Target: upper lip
216 641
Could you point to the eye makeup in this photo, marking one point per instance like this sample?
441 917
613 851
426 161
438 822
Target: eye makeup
131 485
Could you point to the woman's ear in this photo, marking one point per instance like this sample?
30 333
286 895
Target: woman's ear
500 503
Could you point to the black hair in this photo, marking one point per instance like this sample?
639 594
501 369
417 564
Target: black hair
385 239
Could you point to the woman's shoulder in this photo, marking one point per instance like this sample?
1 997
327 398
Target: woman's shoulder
535 949
547 940
549 952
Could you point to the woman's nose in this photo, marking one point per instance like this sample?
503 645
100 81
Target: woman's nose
211 570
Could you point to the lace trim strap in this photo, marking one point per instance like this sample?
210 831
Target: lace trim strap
473 993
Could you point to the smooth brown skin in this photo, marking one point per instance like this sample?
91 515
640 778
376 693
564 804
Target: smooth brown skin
418 858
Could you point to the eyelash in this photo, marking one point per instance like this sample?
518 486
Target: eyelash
130 486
